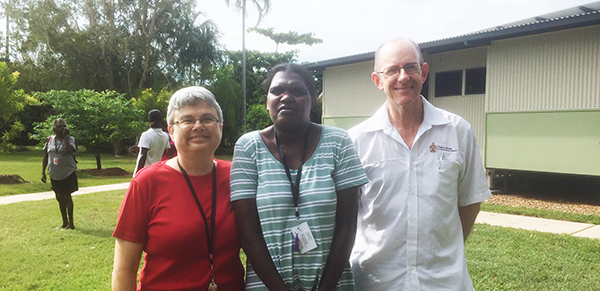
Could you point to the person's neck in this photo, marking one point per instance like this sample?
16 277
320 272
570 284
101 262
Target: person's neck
406 119
291 135
195 165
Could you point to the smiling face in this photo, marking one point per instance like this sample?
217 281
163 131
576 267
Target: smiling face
288 99
402 89
196 138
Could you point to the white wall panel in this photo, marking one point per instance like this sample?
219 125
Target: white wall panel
551 71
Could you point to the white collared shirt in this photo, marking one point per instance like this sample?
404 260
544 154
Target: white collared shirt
409 234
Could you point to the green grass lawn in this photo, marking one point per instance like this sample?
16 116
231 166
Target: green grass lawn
28 165
37 255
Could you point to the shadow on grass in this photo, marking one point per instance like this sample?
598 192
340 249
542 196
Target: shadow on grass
95 232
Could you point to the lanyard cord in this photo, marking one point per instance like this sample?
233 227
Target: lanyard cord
57 145
209 236
295 186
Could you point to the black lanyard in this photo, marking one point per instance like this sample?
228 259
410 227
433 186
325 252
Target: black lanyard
295 186
209 236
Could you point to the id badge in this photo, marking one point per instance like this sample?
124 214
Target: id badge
55 161
306 241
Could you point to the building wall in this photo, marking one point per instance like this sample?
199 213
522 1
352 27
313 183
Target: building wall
349 95
470 107
543 103
552 71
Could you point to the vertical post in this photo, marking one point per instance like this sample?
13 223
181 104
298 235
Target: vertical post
7 31
244 64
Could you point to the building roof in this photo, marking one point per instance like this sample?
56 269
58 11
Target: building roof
579 16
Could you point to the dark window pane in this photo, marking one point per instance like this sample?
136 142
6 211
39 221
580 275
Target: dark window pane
448 83
475 81
425 89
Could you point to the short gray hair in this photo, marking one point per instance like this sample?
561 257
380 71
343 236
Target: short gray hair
191 96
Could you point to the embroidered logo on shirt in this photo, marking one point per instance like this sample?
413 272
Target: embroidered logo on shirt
433 148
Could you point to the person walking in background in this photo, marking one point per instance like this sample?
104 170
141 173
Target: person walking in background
178 211
59 157
152 143
426 183
294 188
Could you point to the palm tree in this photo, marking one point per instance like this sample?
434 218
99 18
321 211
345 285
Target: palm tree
263 7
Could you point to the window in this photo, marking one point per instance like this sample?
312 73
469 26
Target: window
475 81
448 83
425 89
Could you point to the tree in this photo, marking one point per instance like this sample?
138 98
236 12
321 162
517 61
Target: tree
262 11
228 92
149 100
96 119
291 37
120 45
12 102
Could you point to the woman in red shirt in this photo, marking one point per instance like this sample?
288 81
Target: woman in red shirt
177 211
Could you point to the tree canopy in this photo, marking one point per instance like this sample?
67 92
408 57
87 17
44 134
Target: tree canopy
119 45
12 101
97 120
291 37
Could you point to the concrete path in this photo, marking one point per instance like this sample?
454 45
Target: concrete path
499 219
50 194
539 224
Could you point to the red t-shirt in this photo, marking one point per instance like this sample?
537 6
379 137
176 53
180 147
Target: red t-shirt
159 212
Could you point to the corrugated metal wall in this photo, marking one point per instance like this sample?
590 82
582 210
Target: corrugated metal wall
552 71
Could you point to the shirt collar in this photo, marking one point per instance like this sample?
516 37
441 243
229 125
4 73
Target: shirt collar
431 116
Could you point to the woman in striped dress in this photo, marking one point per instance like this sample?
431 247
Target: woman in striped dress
294 189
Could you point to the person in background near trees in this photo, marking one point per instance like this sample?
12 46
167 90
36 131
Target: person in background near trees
294 188
426 183
152 143
59 157
178 211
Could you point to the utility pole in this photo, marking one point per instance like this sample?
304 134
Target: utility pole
244 64
7 30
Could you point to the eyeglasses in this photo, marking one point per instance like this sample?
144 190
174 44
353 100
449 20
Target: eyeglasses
188 122
410 69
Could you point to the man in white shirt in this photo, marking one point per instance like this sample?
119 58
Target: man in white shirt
426 183
153 142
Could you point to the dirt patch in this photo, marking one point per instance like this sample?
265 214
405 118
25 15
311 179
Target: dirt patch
108 172
564 193
11 179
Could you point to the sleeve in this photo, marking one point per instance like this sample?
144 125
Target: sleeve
472 184
244 171
144 141
348 171
45 149
132 224
72 142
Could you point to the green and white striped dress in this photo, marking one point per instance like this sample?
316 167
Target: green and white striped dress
256 174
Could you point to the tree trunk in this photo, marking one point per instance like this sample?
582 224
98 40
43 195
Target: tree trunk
98 163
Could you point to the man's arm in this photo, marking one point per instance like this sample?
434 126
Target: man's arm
143 157
468 214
